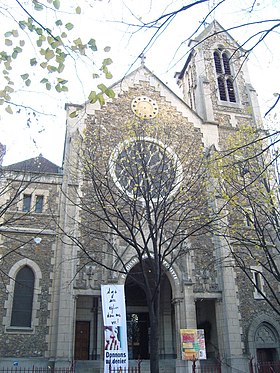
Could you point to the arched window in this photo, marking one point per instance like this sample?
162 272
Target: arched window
224 76
23 298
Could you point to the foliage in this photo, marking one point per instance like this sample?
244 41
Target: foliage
247 184
39 47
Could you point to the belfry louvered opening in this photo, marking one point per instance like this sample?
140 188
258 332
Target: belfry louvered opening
224 76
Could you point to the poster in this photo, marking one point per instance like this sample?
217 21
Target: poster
115 334
193 344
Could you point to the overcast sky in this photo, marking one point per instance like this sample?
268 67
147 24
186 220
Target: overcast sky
107 22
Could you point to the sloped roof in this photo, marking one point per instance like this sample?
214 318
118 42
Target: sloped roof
135 77
213 28
38 164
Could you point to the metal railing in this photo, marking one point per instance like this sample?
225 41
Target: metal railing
135 369
34 369
265 367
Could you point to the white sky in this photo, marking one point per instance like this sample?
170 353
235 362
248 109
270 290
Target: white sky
100 19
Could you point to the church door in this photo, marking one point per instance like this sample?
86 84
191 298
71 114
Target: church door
82 340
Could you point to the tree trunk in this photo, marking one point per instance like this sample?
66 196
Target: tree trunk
154 332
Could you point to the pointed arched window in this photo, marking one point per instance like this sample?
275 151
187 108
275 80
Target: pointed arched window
224 76
23 298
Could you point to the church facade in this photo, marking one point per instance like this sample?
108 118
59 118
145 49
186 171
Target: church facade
50 241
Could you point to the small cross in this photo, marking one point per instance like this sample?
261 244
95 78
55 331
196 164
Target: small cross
142 56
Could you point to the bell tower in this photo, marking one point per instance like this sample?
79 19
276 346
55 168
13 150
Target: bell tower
215 80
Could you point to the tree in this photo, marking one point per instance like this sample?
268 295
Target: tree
143 203
248 184
40 46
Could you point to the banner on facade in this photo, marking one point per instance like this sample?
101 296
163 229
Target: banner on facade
115 334
193 344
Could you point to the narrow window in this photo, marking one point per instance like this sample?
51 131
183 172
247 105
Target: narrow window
23 298
218 65
39 204
222 89
26 202
258 282
224 76
226 64
231 94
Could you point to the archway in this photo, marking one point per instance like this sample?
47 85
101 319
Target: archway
264 339
267 343
138 329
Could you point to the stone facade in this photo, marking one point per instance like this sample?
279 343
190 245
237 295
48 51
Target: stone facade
200 290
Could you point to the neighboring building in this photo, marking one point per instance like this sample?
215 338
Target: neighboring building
62 320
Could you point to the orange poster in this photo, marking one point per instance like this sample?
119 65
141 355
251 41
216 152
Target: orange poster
193 344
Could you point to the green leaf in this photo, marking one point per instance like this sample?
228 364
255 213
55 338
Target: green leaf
9 109
22 43
38 6
62 81
102 87
44 65
60 68
56 4
101 99
63 35
58 22
33 62
39 31
8 34
24 76
74 114
108 75
8 42
28 82
44 80
49 54
92 45
69 26
78 10
22 24
92 97
51 68
110 93
95 76
107 49
9 89
18 49
77 41
15 33
107 61
48 86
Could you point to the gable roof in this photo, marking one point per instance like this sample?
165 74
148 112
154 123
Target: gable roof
142 73
38 164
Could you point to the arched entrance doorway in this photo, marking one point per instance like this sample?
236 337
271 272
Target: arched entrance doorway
138 324
267 343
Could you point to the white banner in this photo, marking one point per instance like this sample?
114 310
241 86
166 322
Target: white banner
115 335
